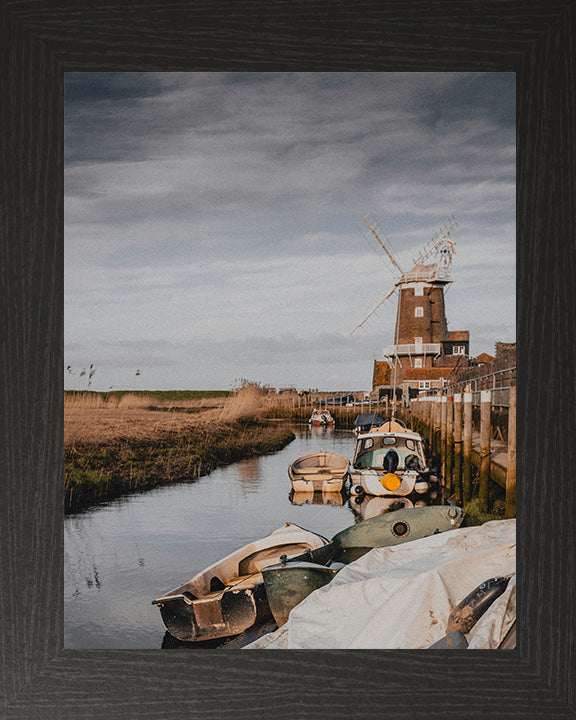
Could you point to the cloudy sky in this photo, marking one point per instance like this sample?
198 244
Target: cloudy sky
212 220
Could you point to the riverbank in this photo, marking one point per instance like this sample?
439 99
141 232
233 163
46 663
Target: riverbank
113 449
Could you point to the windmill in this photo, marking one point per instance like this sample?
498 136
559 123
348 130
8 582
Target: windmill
433 277
421 323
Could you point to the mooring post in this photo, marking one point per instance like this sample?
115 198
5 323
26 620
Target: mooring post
433 408
511 466
449 440
485 417
457 472
443 406
467 448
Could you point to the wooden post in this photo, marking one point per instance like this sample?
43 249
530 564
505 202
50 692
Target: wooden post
449 440
443 407
485 413
511 467
467 448
437 422
457 473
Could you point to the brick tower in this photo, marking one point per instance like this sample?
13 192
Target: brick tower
422 343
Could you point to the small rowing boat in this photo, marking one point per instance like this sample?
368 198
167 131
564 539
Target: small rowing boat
319 472
228 597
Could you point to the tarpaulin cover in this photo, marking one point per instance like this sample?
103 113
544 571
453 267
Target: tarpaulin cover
401 596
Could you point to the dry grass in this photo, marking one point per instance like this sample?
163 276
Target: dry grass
123 447
92 419
247 403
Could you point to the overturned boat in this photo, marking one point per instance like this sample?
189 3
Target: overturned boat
390 460
319 472
228 597
288 582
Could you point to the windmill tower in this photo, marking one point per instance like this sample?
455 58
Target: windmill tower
421 337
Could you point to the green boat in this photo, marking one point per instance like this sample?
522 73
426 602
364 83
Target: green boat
288 582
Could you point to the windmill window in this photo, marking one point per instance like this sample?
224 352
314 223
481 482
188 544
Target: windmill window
424 385
419 290
459 350
418 312
418 362
417 341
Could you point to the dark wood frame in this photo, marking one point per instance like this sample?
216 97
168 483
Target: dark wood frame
42 39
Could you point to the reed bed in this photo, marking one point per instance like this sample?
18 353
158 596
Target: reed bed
129 445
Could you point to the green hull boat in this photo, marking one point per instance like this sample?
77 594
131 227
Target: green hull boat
287 584
290 581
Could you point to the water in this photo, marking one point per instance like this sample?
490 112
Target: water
120 556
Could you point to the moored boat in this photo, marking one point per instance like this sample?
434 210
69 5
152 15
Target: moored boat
321 417
389 460
366 421
290 581
229 596
319 472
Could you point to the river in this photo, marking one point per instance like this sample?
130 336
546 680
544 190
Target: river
121 555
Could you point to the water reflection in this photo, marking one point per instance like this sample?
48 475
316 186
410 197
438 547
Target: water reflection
317 498
318 432
248 472
365 507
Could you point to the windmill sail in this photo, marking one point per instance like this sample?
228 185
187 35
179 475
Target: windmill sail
437 272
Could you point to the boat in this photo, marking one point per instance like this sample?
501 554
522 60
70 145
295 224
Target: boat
288 582
229 596
466 614
366 421
390 460
319 472
321 417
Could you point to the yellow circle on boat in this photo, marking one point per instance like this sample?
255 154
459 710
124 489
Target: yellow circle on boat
390 481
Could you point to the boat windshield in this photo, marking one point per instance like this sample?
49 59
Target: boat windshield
370 452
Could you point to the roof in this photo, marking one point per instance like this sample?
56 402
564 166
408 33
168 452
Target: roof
425 373
455 335
381 375
485 358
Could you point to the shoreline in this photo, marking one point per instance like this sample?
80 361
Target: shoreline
98 471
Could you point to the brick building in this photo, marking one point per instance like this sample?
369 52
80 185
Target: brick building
425 353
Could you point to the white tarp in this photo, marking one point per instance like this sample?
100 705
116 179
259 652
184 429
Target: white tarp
401 596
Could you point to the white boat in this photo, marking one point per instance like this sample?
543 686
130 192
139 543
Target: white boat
389 460
229 596
319 472
321 417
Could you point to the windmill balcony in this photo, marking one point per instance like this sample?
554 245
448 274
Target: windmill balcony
421 349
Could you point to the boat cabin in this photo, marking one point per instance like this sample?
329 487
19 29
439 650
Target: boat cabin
371 450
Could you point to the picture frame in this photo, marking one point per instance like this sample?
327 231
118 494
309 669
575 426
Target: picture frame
42 41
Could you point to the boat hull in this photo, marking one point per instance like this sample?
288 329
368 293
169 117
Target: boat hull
392 528
319 472
288 584
229 613
369 482
229 597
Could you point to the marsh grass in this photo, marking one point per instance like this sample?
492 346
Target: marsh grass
475 516
127 445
